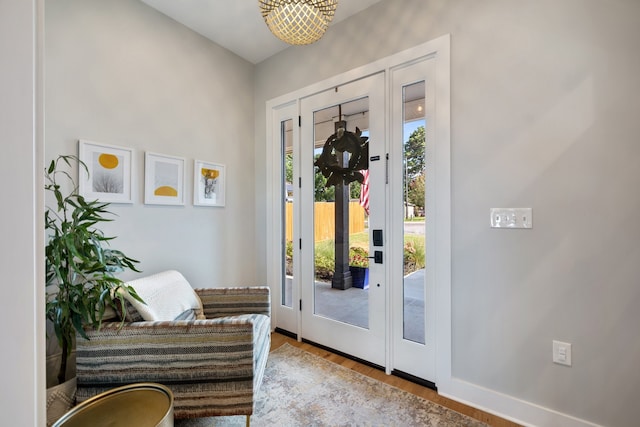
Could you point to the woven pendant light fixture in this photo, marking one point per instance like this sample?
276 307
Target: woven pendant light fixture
298 22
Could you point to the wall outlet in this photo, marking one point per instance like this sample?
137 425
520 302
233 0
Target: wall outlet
562 353
511 218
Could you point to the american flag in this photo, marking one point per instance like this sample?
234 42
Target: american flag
364 191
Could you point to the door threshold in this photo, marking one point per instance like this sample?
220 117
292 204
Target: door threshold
345 355
286 333
414 379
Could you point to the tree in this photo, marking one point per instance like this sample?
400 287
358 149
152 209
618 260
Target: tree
416 191
354 190
414 150
322 193
288 168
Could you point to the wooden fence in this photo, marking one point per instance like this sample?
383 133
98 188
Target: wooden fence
324 220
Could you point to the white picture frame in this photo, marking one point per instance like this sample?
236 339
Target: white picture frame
108 176
209 184
163 179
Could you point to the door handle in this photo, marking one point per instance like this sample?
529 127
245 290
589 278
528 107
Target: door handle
377 257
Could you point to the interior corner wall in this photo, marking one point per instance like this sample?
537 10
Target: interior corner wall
118 72
543 115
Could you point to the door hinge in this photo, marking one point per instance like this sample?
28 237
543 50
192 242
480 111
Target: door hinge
299 182
299 121
300 244
300 305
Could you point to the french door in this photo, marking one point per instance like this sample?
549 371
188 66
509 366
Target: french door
361 167
342 142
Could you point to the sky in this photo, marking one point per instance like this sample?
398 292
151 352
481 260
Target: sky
409 127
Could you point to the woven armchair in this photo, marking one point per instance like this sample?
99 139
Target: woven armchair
213 366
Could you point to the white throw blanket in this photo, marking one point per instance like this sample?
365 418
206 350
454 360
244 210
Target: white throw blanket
167 296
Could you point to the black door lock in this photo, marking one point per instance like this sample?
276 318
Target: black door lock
377 238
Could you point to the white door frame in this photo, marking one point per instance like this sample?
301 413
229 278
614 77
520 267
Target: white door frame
439 51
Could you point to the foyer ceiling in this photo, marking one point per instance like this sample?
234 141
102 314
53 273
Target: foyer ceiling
237 24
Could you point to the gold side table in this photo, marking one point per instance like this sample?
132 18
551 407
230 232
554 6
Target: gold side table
140 405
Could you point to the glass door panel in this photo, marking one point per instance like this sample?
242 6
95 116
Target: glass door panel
341 238
286 142
413 161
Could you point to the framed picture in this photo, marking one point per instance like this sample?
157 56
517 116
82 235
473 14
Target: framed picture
163 179
208 184
109 177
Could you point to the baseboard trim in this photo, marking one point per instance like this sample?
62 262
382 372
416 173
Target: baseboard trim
508 407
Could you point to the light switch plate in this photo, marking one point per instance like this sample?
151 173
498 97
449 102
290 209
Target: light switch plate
562 353
511 218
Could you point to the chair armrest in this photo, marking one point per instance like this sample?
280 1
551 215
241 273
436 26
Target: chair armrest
235 301
213 351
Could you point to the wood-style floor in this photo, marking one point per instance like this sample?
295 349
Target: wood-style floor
278 339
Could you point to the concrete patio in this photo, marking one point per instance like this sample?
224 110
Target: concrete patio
351 305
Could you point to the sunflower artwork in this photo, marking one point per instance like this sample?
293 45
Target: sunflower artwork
209 183
210 178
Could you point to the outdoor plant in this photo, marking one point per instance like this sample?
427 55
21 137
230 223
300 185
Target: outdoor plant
358 257
413 256
288 256
325 266
80 265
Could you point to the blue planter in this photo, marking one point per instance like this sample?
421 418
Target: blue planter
359 277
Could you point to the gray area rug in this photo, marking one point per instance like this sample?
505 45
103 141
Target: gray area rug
302 389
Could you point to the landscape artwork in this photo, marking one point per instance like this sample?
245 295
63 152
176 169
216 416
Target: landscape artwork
108 175
164 179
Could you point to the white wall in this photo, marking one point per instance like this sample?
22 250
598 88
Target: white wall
118 72
544 115
22 305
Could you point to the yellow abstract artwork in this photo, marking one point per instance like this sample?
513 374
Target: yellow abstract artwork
166 190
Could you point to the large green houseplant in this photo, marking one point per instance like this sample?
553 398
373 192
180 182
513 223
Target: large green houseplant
80 265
